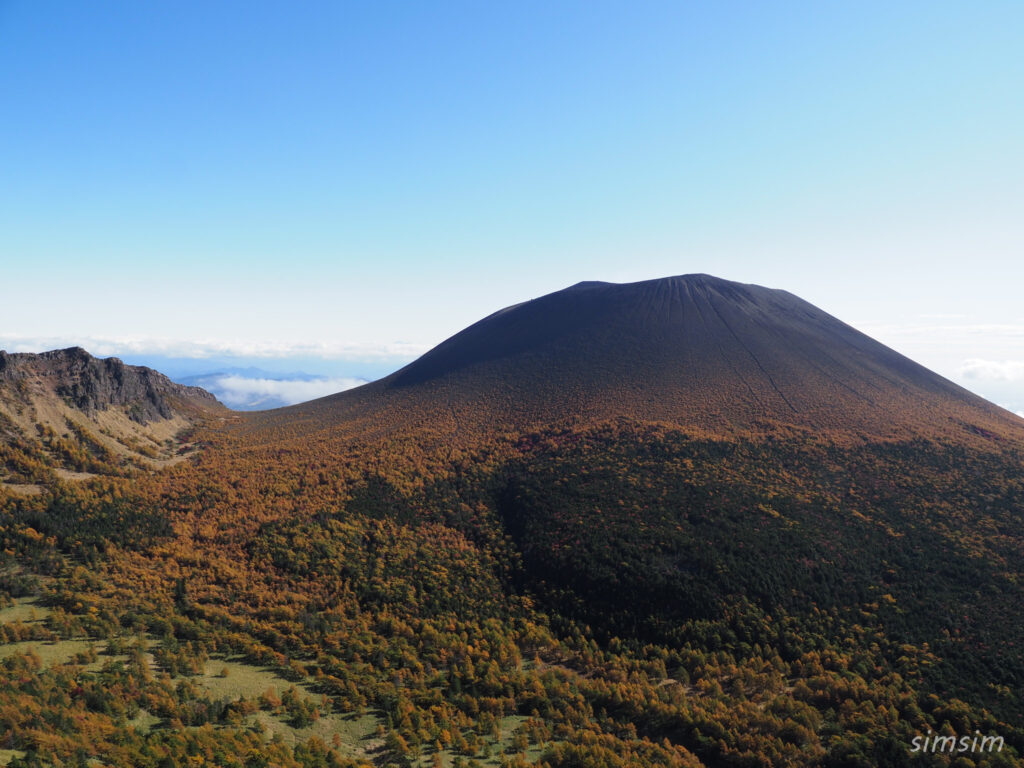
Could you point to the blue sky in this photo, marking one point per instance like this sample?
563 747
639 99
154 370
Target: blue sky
355 181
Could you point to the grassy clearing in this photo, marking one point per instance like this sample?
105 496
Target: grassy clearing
50 653
144 721
21 489
25 609
356 734
6 755
243 680
352 734
496 747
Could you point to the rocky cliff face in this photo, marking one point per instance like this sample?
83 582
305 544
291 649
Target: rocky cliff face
66 414
91 384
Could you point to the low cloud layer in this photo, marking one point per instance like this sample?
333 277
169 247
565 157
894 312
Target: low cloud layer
111 347
241 392
993 370
945 331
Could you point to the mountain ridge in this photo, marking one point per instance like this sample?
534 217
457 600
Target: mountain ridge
95 384
67 411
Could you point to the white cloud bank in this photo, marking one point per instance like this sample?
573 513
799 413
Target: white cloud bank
239 391
128 345
944 330
993 370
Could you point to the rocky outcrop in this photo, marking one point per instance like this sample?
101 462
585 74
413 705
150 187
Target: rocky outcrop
93 384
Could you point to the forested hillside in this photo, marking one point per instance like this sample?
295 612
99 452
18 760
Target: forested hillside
721 603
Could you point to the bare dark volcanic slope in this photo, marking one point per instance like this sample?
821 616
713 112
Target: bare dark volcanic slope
692 350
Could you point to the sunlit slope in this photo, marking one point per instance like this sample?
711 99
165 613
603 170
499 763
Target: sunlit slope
67 411
695 351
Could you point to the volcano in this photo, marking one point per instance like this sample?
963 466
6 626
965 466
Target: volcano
694 351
